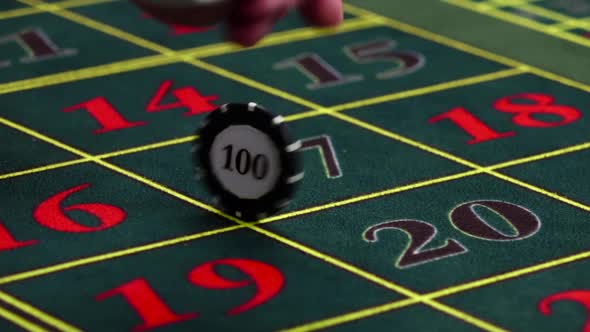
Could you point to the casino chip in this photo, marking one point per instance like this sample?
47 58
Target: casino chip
248 160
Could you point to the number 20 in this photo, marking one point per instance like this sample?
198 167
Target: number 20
465 219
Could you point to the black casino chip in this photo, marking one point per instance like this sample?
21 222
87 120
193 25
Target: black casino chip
248 160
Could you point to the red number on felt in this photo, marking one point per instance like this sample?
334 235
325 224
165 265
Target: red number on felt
105 114
543 104
524 116
8 242
472 125
268 280
187 97
580 296
50 213
148 304
178 30
110 119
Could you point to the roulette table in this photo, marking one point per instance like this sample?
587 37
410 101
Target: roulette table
445 145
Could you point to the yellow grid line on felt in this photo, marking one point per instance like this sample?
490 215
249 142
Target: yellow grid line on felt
370 16
459 314
280 93
564 27
564 22
459 160
520 161
113 255
146 44
436 294
20 321
524 22
294 117
482 53
507 3
369 101
222 48
444 292
20 12
42 316
467 48
108 155
95 259
506 164
244 80
438 87
326 258
187 238
550 14
351 316
112 167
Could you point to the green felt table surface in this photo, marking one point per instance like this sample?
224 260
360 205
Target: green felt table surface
446 155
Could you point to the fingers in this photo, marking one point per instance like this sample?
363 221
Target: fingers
248 34
261 9
249 20
323 12
253 19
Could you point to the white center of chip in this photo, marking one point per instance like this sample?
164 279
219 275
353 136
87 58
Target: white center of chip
246 161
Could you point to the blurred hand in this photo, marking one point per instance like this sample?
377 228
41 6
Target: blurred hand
253 19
